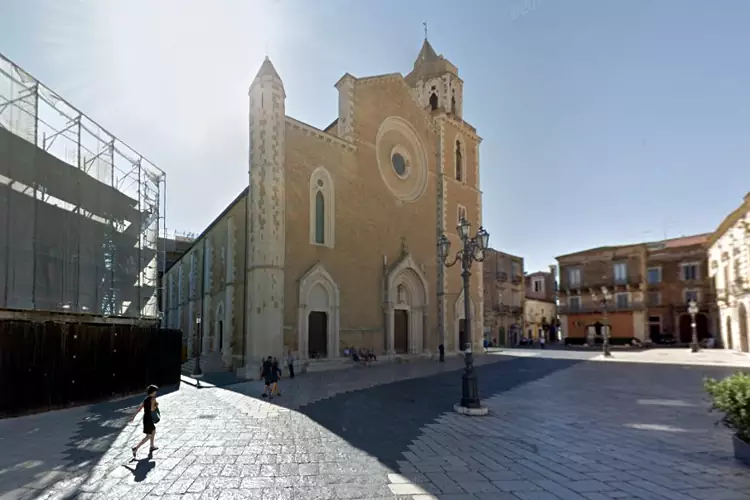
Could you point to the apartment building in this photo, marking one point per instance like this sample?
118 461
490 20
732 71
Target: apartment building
503 297
540 307
649 286
729 257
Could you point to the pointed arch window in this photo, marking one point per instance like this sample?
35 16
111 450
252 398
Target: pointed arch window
433 101
320 218
322 208
459 162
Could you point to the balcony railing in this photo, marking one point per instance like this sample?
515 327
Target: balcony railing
501 276
635 305
516 279
597 283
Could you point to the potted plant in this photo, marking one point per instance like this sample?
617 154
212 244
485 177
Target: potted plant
732 397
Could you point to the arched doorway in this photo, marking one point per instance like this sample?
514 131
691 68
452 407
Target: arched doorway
744 341
406 307
317 335
686 328
318 315
730 336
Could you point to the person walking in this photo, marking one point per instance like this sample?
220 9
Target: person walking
151 417
265 375
290 363
275 377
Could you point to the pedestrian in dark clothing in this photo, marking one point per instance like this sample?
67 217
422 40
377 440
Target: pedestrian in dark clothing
275 376
151 417
290 363
265 374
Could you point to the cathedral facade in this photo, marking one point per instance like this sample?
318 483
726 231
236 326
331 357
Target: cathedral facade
333 244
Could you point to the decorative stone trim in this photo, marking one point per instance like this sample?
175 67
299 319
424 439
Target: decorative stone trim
419 168
462 127
318 275
319 134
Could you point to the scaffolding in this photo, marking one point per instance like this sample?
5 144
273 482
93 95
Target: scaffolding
80 211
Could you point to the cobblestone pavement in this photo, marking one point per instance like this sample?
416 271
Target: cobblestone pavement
557 429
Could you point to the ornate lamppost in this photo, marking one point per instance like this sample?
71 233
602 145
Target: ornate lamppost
197 372
693 310
606 298
472 251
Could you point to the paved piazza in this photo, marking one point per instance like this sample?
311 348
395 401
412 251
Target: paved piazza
562 425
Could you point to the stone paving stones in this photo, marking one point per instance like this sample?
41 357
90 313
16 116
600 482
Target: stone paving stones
557 429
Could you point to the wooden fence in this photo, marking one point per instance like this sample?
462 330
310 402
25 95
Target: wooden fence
52 365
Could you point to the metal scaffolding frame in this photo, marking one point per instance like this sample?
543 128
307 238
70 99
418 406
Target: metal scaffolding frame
84 223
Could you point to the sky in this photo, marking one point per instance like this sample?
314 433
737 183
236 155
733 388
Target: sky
603 121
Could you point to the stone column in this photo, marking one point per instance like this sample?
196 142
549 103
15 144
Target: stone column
389 338
302 337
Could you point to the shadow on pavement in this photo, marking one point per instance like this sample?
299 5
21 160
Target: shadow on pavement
383 420
84 435
142 468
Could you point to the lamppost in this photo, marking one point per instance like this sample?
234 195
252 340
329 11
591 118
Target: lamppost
472 251
197 372
693 310
606 298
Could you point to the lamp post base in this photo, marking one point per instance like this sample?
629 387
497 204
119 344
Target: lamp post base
694 348
469 384
481 411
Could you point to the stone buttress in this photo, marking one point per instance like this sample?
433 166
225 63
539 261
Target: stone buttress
265 219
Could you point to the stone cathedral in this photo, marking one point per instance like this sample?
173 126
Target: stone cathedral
333 244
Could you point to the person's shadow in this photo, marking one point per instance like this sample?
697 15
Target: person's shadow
142 468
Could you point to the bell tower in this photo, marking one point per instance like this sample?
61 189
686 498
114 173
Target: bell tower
435 82
266 231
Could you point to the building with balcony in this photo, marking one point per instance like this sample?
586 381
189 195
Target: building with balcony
729 257
503 297
649 287
540 307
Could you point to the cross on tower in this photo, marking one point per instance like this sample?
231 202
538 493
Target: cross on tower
425 29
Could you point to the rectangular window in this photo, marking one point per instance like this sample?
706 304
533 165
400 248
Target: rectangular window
621 272
574 303
691 295
461 214
574 277
654 326
622 300
654 299
654 275
689 272
515 269
538 285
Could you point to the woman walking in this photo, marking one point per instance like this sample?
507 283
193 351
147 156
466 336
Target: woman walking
150 418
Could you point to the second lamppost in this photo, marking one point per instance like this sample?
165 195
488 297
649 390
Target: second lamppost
693 310
606 298
472 251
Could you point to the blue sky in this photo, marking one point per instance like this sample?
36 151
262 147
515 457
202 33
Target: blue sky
603 121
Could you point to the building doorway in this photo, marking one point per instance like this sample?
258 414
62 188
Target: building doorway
401 331
220 333
744 341
317 335
462 334
730 340
686 329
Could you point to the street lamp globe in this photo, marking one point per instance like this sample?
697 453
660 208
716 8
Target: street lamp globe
463 229
483 238
692 308
444 246
606 293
